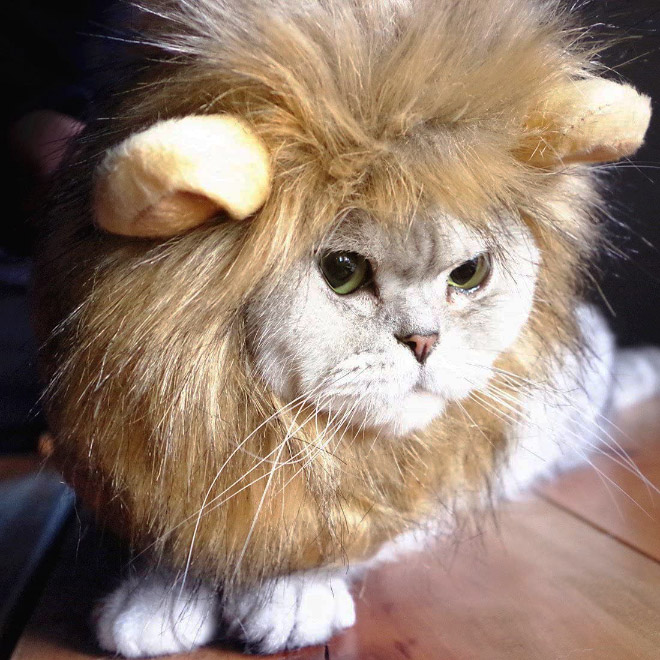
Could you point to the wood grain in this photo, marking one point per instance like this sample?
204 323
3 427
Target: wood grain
559 575
545 585
611 495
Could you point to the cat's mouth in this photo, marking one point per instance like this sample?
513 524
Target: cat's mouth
424 384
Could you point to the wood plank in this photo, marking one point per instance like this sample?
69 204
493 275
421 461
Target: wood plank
546 585
612 497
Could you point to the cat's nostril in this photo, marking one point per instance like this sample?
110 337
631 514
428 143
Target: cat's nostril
420 345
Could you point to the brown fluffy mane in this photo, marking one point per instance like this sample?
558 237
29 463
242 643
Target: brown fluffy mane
362 106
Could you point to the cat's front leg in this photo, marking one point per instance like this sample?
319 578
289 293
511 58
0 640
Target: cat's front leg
154 614
290 612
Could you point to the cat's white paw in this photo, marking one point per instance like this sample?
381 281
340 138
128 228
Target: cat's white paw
152 616
298 610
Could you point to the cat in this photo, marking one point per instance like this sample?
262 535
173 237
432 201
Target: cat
313 296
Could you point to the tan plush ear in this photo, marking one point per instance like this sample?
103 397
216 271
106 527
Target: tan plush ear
587 121
178 173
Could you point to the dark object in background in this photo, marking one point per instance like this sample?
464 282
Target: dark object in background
44 66
50 64
20 422
631 285
33 510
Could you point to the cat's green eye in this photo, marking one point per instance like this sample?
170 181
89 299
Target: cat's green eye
345 271
470 274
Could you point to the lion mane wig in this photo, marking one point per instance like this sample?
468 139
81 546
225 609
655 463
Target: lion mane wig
240 135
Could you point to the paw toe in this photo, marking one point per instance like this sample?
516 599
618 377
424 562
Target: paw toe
291 613
135 621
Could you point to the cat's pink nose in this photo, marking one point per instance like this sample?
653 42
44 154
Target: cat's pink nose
420 345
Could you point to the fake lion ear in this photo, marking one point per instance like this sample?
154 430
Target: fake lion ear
179 173
587 121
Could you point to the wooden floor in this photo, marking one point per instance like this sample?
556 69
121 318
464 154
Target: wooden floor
572 572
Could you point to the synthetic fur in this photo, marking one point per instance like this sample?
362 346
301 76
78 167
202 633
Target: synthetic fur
593 126
361 105
177 174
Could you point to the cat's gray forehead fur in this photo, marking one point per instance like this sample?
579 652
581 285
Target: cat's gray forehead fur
416 252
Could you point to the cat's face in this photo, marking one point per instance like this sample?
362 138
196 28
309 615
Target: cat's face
383 327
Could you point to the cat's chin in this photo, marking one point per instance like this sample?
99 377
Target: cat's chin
416 412
411 413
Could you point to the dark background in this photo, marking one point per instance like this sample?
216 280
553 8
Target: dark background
631 286
51 58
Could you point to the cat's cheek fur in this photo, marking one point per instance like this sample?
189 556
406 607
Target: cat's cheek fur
470 346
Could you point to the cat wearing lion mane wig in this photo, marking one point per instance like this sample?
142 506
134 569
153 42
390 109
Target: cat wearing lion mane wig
312 295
